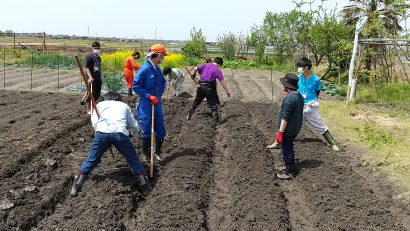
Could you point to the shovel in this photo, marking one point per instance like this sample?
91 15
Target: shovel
225 102
192 77
83 99
89 91
151 172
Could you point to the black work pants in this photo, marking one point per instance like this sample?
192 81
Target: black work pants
96 90
218 102
206 90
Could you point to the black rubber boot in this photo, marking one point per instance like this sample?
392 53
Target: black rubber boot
158 154
143 184
78 182
146 148
215 116
190 113
287 173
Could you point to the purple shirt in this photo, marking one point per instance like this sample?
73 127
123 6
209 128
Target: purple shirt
210 72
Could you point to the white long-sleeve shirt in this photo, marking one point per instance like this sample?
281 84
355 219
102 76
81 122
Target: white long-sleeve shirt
175 74
115 116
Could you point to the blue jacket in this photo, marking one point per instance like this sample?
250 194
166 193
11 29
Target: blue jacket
149 81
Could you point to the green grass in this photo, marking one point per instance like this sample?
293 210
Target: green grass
392 93
48 59
384 135
80 42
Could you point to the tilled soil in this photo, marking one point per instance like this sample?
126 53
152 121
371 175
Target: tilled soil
44 79
215 177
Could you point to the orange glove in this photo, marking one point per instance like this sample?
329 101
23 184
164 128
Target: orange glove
279 137
153 99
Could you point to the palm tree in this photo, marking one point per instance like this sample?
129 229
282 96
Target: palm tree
383 20
387 12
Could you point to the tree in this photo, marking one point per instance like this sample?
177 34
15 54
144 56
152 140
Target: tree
281 33
383 21
196 46
385 13
257 39
329 38
9 32
228 43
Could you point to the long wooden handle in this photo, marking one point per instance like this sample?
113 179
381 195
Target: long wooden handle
93 104
151 172
192 77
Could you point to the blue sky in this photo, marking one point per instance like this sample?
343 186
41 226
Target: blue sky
161 19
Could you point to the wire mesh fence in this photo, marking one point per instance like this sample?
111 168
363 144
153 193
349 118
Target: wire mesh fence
23 69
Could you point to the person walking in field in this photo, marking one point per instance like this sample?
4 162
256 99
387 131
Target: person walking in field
149 84
130 65
111 128
309 87
210 72
93 72
218 101
290 119
175 77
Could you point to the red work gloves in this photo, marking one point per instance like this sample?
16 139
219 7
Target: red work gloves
279 137
153 99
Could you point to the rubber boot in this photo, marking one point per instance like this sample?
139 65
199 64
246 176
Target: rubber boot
78 182
287 173
158 154
129 91
146 148
215 116
329 139
143 183
190 113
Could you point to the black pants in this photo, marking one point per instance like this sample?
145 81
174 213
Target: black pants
218 102
206 90
96 90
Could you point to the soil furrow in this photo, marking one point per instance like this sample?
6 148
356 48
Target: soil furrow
331 194
41 184
34 126
300 216
179 199
18 163
214 177
240 165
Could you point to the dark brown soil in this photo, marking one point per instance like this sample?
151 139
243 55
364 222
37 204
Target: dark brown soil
185 95
215 177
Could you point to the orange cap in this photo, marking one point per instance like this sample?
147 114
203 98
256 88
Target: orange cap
159 48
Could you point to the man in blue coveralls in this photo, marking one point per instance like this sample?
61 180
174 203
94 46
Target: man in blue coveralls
149 84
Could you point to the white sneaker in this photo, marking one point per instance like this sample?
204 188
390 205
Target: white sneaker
273 146
335 148
159 158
